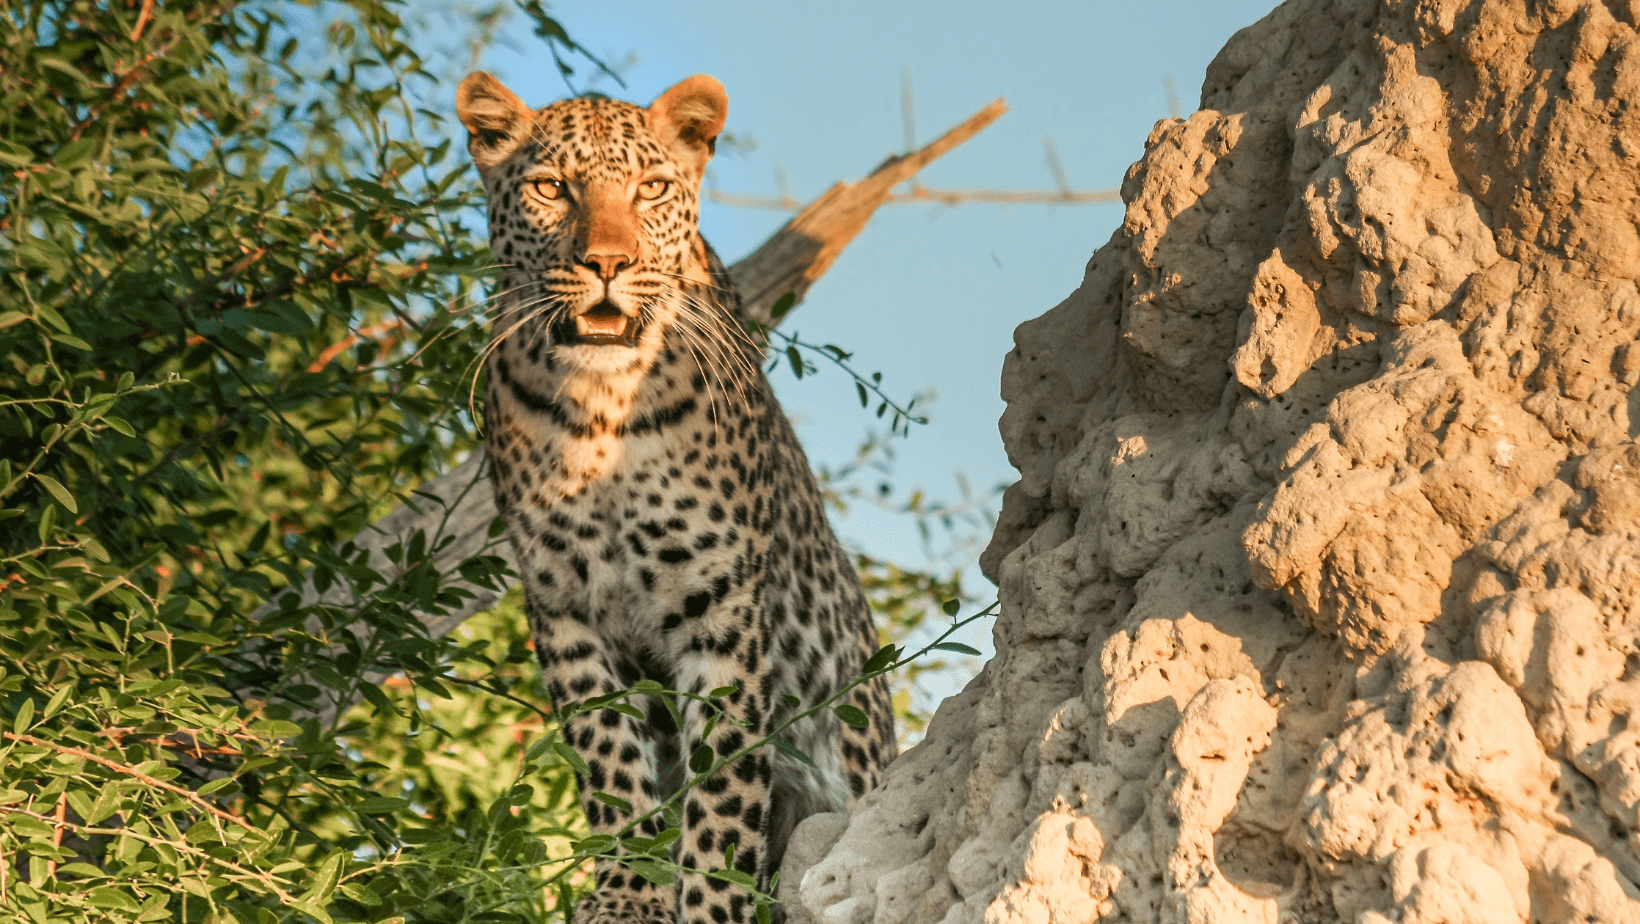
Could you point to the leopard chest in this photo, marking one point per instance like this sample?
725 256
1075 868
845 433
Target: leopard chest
641 528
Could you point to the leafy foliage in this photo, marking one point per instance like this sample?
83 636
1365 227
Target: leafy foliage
237 283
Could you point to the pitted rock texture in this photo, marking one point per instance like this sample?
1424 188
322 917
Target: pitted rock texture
1321 582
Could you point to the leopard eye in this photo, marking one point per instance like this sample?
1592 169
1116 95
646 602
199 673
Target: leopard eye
653 189
548 189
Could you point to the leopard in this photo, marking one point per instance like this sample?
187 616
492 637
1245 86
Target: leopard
666 523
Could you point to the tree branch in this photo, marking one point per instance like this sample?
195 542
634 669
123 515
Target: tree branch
459 505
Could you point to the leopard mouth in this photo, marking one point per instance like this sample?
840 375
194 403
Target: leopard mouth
601 325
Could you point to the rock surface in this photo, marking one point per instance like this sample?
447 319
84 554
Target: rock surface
1321 582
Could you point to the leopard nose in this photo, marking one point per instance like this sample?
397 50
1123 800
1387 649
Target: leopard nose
608 264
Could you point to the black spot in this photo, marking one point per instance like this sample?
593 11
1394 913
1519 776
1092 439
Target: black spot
577 651
715 513
695 604
675 556
705 541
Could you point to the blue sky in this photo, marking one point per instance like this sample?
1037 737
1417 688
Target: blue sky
928 295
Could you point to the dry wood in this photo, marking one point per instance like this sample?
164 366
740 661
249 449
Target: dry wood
919 193
457 508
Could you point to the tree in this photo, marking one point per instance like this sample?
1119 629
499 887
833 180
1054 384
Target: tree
241 312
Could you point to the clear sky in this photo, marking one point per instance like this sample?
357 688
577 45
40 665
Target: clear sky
928 295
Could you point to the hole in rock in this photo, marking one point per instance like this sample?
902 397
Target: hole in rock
1255 860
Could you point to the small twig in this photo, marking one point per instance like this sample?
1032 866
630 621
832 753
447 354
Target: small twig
142 19
364 333
57 832
126 80
134 773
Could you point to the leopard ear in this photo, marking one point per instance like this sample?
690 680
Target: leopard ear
494 117
690 115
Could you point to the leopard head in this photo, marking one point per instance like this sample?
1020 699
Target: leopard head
593 207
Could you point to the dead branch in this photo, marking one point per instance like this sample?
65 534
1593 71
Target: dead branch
806 247
458 506
919 193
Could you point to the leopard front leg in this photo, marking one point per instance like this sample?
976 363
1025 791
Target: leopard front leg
620 758
731 806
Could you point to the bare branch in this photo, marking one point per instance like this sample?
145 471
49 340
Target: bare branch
806 247
934 194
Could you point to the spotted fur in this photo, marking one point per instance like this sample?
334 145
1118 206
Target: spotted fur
666 521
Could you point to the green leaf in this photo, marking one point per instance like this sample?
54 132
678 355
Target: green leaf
721 692
56 701
24 718
795 359
957 647
614 802
217 785
113 898
851 715
596 844
651 871
782 306
702 759
360 893
788 748
572 758
58 491
951 606
744 880
47 525
884 656
380 805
